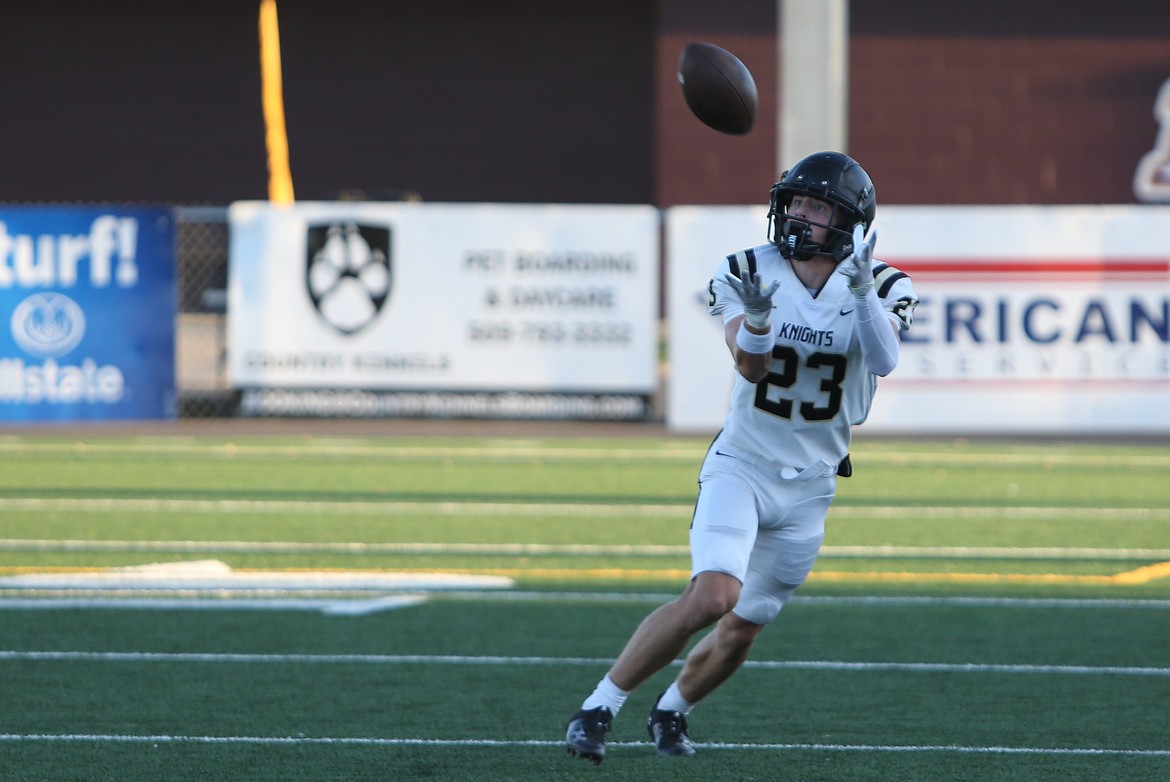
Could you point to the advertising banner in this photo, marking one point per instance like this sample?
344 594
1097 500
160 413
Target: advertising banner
87 297
479 310
1049 320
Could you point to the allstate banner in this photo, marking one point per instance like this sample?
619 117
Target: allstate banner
432 310
88 311
1032 319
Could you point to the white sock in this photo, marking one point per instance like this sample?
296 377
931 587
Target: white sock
608 695
672 700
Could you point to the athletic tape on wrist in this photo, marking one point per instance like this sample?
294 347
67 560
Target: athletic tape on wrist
861 291
758 320
754 343
867 304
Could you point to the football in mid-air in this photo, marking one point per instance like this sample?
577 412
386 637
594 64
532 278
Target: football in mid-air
718 88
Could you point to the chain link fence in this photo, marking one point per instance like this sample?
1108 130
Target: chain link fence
201 269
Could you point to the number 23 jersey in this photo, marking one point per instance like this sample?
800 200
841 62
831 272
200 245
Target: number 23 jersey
818 386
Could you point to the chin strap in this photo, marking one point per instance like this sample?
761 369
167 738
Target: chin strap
794 244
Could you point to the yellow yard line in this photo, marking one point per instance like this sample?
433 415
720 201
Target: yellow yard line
1144 575
963 578
1139 576
1131 577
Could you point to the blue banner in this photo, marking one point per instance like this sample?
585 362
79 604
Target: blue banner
87 313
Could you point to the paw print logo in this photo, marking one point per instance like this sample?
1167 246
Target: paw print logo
348 273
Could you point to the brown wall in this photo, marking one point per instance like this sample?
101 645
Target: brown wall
1004 101
996 102
695 164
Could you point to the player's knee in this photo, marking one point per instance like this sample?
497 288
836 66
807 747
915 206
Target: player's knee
711 597
759 607
766 593
738 635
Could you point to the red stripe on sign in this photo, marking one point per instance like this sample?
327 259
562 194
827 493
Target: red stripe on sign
1039 384
1040 268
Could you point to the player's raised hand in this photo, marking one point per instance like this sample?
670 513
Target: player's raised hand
857 267
757 300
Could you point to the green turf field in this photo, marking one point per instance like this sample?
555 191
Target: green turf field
214 608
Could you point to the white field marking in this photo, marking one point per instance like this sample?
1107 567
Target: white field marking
225 602
317 507
984 602
493 660
528 509
291 547
214 577
360 741
817 600
678 449
282 602
99 738
564 550
371 606
671 451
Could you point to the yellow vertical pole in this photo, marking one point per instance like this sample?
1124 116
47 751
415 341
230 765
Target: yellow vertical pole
280 187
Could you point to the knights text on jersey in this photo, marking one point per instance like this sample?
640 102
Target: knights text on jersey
818 386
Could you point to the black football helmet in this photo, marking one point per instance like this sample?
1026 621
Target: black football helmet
832 177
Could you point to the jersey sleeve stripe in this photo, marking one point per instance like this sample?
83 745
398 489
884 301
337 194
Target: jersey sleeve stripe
743 256
733 264
885 276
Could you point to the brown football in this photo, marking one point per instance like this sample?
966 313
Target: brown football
718 88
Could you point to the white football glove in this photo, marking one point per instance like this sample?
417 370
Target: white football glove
757 300
857 267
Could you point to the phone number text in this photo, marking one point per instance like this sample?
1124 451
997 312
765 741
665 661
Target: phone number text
550 332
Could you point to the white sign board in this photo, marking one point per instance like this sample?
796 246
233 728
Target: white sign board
460 297
1033 319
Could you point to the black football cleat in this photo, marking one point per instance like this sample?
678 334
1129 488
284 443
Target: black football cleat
585 734
668 731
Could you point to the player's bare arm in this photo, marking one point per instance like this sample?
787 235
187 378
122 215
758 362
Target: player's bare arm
749 336
753 366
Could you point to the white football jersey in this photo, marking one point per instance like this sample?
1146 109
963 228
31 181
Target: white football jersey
818 386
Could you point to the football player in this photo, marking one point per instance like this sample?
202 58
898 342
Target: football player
811 321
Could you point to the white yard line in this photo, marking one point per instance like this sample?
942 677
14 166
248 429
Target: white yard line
223 602
564 550
98 738
315 451
802 601
206 584
677 450
248 601
213 577
538 508
318 507
496 660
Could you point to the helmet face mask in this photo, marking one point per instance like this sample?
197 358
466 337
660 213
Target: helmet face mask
831 177
793 235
